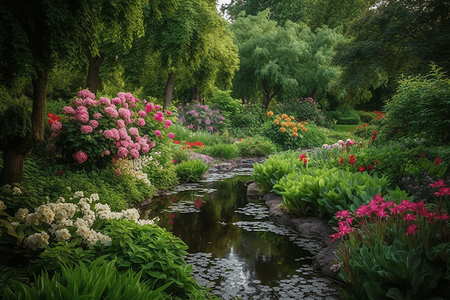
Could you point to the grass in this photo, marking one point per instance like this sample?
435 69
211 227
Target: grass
346 128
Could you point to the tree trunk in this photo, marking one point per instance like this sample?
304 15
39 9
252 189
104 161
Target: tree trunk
169 90
267 96
14 156
314 92
195 93
93 72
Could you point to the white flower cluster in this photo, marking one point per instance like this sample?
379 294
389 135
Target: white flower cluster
60 216
2 206
37 240
140 162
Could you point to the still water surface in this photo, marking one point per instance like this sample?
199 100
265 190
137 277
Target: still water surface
235 249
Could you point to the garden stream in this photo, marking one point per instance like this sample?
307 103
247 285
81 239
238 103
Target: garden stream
234 247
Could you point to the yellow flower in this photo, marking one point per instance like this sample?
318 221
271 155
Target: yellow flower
277 122
282 129
284 116
294 134
270 113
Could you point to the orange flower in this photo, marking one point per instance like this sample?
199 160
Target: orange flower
294 134
292 117
277 122
282 129
270 113
294 129
284 116
240 139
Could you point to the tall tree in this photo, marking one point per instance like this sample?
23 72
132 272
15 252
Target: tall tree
289 61
391 39
181 38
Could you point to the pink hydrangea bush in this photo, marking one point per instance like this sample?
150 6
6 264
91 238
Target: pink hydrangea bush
104 130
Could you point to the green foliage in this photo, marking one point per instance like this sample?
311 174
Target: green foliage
15 119
255 147
285 61
366 116
327 191
268 173
161 171
153 251
179 154
97 280
304 109
420 107
229 108
226 151
345 114
248 122
191 170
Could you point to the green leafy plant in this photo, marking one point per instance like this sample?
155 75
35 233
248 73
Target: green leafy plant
255 147
191 170
226 151
153 251
98 280
304 109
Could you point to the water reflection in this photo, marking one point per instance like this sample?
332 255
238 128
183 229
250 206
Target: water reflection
235 248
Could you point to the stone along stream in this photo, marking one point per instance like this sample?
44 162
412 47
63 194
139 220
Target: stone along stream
234 247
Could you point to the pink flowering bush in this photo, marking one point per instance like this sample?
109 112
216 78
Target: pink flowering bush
104 130
396 250
200 117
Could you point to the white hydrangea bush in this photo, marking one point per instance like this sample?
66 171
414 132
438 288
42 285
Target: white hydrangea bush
59 218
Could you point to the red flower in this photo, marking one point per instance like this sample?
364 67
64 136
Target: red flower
437 161
376 162
341 160
411 229
176 142
59 173
369 168
422 155
361 169
53 118
352 159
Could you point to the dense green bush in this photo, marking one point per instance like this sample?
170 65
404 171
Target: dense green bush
155 252
366 116
255 147
420 107
160 170
226 151
228 107
248 122
191 170
304 109
98 280
344 114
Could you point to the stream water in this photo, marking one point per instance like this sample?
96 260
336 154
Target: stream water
234 248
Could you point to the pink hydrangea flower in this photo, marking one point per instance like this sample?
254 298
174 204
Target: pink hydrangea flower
124 113
85 129
123 133
105 101
86 94
83 117
56 126
123 152
169 113
168 123
149 107
80 157
133 131
158 133
94 123
120 123
106 152
97 116
142 113
68 110
141 122
112 112
134 153
171 135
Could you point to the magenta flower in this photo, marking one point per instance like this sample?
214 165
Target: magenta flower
342 214
118 171
123 152
168 113
171 135
412 229
438 183
149 107
158 133
142 113
409 217
134 153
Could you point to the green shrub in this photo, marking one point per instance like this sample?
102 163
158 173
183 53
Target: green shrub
179 154
366 116
304 109
222 150
255 147
98 280
153 251
345 114
248 122
191 170
161 172
228 107
420 107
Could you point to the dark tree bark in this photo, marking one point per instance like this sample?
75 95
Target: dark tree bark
195 93
93 72
314 92
14 156
267 96
169 90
